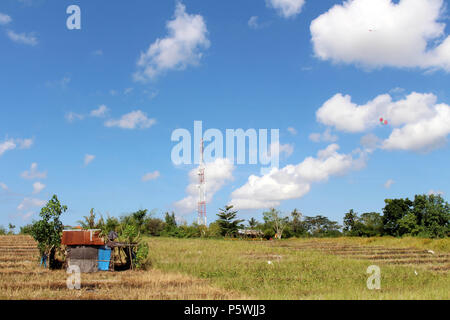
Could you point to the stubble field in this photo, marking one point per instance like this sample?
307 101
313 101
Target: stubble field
223 269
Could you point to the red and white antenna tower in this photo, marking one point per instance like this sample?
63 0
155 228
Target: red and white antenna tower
201 189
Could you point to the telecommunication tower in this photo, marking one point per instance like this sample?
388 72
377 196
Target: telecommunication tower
201 220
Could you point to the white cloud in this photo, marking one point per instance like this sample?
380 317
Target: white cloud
383 33
418 123
389 183
277 149
128 91
132 120
38 187
6 146
3 186
34 174
424 135
187 36
29 203
11 144
23 38
436 192
292 131
370 142
25 143
88 158
253 22
151 176
4 19
294 181
286 8
217 174
72 116
100 112
326 136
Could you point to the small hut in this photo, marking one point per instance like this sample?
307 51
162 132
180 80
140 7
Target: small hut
91 253
249 233
86 249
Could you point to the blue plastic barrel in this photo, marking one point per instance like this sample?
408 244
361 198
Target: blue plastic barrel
104 257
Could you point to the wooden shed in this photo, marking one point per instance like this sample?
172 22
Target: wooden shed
84 248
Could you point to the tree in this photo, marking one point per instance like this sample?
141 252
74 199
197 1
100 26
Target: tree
154 226
2 231
394 210
171 222
26 229
47 231
279 223
435 217
320 226
297 225
372 224
139 218
89 221
227 221
349 221
11 228
252 223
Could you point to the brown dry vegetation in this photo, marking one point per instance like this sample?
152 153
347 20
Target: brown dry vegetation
22 278
218 269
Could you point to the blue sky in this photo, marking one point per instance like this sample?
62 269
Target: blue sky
231 71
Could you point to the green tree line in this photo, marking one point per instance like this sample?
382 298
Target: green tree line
425 216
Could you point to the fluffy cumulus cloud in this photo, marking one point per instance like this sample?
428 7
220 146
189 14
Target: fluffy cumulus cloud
217 174
182 47
38 187
405 33
294 181
151 176
3 186
286 8
33 173
11 144
133 120
418 122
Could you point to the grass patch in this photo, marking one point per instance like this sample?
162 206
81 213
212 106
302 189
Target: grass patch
296 274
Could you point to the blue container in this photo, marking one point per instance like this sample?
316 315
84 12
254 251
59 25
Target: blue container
104 257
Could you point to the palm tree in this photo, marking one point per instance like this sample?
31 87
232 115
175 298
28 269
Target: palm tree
252 223
89 222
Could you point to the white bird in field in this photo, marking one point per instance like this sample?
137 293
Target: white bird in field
269 262
415 272
431 251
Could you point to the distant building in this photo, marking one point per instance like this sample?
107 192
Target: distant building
251 233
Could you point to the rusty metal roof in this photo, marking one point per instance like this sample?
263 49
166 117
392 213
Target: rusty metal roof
82 238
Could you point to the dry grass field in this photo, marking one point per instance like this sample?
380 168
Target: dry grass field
21 277
222 269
